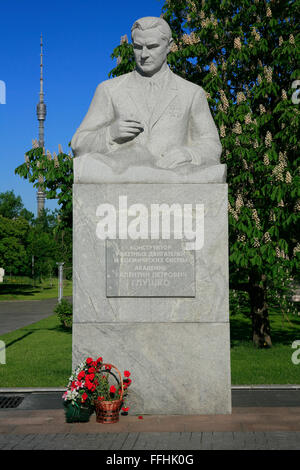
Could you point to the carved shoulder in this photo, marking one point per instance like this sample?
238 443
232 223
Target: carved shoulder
114 83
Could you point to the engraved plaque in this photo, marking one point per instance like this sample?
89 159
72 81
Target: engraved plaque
149 268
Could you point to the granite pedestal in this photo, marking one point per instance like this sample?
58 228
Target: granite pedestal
151 306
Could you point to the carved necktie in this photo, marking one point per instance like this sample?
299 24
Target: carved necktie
151 95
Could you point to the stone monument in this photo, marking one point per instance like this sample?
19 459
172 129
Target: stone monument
150 235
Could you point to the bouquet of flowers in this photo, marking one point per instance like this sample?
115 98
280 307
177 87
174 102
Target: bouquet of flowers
78 398
110 399
105 391
90 389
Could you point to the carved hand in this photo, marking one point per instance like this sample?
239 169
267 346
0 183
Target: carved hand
123 130
174 158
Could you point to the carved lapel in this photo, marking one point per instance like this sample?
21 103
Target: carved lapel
137 96
165 99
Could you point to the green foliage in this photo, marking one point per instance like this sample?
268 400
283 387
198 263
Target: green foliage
11 206
53 175
13 242
31 246
64 311
246 55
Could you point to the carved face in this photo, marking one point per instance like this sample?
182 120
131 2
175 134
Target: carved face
150 50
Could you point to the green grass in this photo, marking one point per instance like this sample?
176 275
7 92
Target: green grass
22 288
250 365
39 355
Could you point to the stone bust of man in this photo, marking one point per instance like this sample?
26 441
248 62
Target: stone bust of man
151 116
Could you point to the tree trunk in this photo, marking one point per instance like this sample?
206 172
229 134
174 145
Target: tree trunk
259 314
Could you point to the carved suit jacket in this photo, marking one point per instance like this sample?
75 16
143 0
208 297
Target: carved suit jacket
180 118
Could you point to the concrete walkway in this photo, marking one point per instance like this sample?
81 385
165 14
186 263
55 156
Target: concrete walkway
16 314
246 428
273 426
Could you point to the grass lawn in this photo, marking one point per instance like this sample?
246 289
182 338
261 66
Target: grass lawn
22 288
250 365
39 355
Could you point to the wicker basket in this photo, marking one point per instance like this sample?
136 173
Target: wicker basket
107 412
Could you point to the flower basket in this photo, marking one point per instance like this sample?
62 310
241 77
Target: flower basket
78 397
75 413
107 412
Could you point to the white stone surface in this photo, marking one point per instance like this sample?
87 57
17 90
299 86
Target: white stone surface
91 169
89 265
177 349
149 116
177 368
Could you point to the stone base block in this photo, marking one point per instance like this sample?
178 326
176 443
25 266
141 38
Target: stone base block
174 337
177 368
205 297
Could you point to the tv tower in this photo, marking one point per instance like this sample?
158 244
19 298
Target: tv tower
41 115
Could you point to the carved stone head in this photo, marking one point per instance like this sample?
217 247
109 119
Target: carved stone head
152 40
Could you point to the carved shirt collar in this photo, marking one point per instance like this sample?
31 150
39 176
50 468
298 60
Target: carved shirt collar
160 79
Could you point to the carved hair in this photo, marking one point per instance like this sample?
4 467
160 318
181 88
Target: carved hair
149 22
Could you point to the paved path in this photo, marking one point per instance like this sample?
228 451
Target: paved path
260 420
244 429
153 442
17 314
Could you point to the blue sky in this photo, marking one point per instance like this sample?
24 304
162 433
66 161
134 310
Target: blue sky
79 37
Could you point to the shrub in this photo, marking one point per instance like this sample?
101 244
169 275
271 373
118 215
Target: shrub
64 311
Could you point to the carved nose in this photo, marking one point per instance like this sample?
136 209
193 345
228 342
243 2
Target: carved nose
144 53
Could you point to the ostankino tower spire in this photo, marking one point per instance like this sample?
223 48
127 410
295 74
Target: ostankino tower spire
41 115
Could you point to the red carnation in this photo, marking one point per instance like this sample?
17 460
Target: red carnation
108 367
89 360
91 370
126 409
126 373
73 386
84 396
89 385
112 389
81 375
99 360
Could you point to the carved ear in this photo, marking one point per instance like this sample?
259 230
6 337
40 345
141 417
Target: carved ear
171 42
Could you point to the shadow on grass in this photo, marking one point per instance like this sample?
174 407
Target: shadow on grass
29 331
58 328
7 345
283 333
240 330
63 329
18 289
